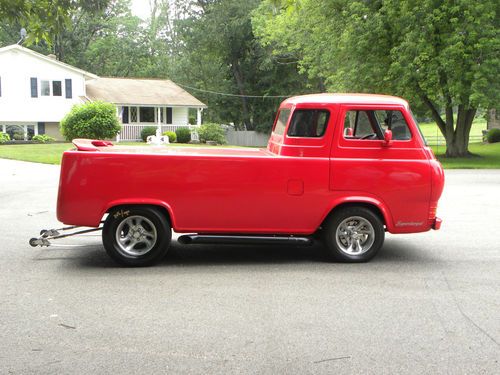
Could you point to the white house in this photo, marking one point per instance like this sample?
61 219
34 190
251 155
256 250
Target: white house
145 102
37 91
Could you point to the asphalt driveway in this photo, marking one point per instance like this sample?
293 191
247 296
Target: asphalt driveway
429 303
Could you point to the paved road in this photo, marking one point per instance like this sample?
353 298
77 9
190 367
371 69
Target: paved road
429 303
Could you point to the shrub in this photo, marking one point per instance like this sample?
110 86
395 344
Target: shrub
4 137
212 132
172 137
42 138
147 131
96 120
493 135
183 135
18 135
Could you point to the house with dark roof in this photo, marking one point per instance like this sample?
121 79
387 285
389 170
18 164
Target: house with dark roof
37 91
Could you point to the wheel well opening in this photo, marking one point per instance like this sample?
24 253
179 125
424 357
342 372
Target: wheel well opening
162 209
369 206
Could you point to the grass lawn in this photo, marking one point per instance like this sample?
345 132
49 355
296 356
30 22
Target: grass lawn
489 154
431 131
39 153
489 157
52 153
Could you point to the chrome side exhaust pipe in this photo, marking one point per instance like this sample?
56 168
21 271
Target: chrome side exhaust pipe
188 239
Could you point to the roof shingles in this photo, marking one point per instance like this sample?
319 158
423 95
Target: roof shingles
135 91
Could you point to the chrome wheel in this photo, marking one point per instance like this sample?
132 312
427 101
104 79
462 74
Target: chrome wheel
135 236
355 235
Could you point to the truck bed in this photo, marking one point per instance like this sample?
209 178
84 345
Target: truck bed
204 190
108 147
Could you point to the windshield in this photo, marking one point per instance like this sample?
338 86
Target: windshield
418 127
281 122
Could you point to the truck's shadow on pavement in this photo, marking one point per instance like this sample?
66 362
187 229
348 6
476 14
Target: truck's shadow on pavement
394 251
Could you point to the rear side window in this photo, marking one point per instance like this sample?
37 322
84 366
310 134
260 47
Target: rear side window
280 126
308 123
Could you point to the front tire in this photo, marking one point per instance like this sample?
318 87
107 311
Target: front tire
136 236
353 234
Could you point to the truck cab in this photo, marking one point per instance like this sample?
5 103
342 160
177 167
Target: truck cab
377 154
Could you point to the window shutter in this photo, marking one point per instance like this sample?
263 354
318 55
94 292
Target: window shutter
169 115
69 88
125 115
34 87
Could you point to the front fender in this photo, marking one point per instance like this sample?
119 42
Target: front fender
352 197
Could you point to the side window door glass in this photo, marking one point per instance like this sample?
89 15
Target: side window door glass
361 125
395 122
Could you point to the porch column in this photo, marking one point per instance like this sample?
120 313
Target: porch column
198 116
158 118
119 115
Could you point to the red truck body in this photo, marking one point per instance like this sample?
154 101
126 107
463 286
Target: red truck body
289 188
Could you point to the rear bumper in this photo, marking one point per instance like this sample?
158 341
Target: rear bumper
436 225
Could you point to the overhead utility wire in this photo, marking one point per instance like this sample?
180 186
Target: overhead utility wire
234 95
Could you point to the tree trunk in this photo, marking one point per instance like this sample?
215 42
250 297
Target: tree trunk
456 135
238 77
457 145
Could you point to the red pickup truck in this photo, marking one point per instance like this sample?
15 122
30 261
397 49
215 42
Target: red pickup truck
344 167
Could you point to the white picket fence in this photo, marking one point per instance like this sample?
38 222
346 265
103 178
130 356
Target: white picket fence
133 132
439 140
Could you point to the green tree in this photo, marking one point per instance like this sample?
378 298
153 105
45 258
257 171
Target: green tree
219 53
45 20
441 53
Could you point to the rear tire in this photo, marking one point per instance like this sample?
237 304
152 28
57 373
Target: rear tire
353 235
136 236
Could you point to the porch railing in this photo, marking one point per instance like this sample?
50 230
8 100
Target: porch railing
132 132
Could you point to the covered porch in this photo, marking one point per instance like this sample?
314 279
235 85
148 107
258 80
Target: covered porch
147 102
135 118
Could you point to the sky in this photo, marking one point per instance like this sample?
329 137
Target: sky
140 8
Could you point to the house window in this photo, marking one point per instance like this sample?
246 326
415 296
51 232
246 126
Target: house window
169 115
16 132
30 131
68 87
147 114
133 114
34 87
56 88
162 115
45 88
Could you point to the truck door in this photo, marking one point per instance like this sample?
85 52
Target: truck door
396 174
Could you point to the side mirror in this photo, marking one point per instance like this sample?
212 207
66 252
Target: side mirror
387 138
